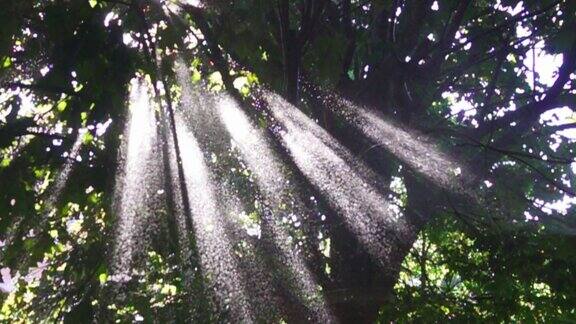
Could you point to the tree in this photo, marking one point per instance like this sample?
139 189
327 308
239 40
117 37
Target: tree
391 160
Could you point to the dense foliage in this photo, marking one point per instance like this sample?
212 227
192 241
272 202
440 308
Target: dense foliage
492 84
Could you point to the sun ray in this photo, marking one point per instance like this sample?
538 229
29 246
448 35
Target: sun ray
213 242
416 150
53 192
276 186
347 184
139 184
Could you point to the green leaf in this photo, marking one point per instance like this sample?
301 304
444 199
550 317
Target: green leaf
196 76
6 62
93 3
351 75
87 138
61 106
103 277
5 162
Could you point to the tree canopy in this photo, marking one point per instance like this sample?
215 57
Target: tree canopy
288 161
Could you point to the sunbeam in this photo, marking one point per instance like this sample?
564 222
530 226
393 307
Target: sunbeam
310 161
213 242
64 174
276 186
288 271
139 184
340 178
54 193
415 150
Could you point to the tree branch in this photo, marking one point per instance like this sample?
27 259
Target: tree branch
507 24
41 88
562 127
450 30
216 53
351 36
22 127
529 113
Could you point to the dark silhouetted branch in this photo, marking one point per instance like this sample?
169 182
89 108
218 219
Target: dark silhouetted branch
528 114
